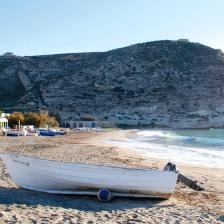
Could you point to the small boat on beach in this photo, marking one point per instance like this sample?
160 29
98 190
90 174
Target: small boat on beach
46 132
61 132
50 132
16 132
87 179
31 133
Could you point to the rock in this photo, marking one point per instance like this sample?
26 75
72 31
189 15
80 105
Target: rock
157 84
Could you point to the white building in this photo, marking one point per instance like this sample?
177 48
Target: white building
82 124
3 122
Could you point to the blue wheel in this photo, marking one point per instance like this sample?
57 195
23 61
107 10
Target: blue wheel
104 195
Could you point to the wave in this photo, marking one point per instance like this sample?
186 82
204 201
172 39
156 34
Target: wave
164 145
185 139
190 155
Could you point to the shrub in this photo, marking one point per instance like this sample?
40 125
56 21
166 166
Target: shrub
15 118
38 119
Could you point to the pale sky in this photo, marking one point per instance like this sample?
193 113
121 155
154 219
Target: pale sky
34 27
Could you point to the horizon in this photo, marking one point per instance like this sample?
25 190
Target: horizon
47 27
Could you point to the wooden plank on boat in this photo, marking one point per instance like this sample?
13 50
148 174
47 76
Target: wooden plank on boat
190 183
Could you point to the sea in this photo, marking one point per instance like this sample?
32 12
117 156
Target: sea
204 147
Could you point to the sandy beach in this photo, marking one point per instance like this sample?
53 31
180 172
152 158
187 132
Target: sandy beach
18 205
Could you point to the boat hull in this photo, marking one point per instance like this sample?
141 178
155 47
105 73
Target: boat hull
75 178
16 133
51 134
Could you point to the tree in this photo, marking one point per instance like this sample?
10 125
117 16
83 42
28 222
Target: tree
37 119
32 119
41 119
15 118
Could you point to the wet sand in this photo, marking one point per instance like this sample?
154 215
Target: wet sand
18 205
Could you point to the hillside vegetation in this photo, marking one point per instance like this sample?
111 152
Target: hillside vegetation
162 83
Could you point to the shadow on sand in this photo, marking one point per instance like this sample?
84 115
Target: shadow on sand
9 196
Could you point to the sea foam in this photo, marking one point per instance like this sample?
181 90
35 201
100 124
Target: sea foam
176 146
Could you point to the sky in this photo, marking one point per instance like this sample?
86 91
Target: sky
37 27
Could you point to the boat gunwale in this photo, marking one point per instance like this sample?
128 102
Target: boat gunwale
7 155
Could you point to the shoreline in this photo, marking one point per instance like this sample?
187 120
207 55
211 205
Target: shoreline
90 147
124 134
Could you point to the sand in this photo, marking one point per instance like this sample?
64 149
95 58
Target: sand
18 205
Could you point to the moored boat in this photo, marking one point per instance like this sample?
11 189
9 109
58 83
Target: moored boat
29 133
61 132
15 132
46 132
77 178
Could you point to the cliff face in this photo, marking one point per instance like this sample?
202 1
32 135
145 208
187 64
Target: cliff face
163 83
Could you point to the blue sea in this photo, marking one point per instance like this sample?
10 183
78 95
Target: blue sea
196 147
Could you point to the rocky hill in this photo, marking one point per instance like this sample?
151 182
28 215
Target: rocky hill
162 83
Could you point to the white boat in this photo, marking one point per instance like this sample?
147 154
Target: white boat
16 133
85 179
31 133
